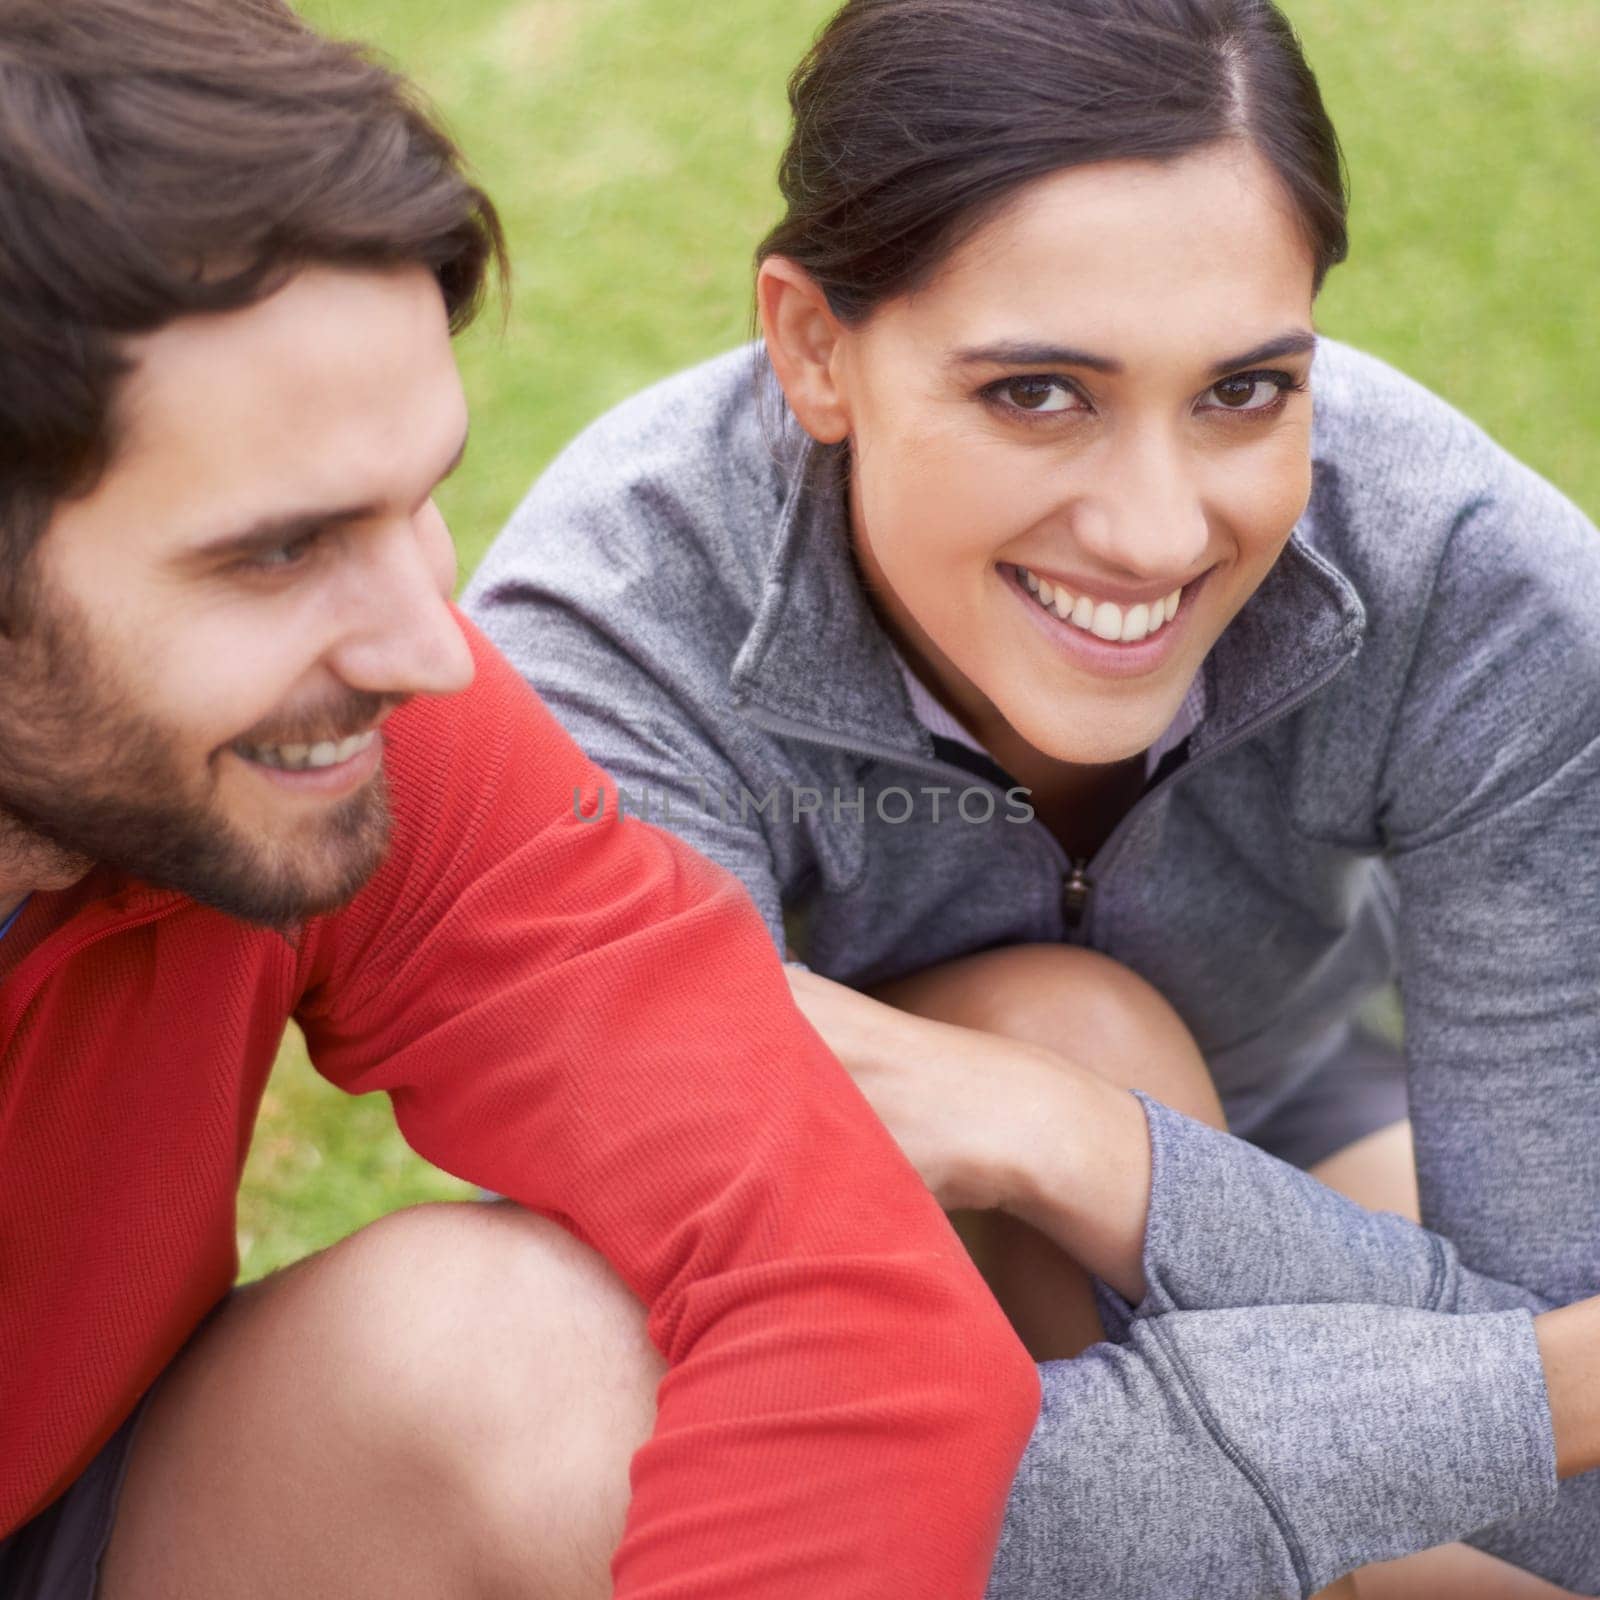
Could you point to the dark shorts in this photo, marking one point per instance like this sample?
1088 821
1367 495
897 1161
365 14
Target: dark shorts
57 1555
1361 1090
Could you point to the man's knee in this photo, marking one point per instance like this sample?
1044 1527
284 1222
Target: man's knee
516 1364
485 1332
473 1359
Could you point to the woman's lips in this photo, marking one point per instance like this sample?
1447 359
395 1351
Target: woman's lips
1081 633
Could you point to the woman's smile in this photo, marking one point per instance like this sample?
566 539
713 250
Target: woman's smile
1104 636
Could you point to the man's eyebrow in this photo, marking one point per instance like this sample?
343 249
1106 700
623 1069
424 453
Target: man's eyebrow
270 533
1297 341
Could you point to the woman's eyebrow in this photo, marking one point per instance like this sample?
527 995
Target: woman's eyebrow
1022 354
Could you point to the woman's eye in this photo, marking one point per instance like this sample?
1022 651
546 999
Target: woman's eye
1238 393
1037 394
1034 394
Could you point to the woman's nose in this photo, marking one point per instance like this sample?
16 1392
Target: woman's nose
1145 519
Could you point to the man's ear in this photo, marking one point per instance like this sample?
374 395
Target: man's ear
803 338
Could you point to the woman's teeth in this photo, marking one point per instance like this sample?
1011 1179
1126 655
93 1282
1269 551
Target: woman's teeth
301 757
1105 619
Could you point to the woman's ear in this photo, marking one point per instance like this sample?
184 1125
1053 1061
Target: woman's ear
803 339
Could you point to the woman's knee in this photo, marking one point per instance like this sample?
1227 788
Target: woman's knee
1378 1171
1077 1002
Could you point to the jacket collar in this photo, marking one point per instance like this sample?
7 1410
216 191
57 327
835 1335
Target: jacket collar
816 655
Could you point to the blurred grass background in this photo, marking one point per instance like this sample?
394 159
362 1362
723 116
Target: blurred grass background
631 145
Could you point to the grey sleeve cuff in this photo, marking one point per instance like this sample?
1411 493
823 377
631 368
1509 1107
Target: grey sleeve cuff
1562 1545
1231 1226
1269 1451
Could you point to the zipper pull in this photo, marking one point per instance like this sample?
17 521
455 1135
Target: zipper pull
1076 888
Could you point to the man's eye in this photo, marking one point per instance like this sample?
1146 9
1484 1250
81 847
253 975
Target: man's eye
282 557
1035 395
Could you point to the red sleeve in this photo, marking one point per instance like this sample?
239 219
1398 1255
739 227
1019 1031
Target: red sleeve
590 1018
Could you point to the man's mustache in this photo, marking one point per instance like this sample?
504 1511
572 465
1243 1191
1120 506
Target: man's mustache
353 714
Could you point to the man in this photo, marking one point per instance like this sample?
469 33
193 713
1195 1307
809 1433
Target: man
252 766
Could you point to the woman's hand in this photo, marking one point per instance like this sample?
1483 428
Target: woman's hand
993 1121
955 1063
958 1101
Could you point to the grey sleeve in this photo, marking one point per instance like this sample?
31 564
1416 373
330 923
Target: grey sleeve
1267 1453
1363 1346
590 641
1493 811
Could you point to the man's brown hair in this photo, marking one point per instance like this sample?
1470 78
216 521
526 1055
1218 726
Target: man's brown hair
166 157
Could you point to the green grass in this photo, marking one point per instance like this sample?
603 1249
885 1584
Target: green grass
631 145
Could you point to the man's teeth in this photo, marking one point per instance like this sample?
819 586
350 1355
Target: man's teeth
1104 618
301 757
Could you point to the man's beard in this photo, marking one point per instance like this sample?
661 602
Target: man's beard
84 774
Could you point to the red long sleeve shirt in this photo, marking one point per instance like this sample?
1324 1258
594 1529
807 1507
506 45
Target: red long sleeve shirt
589 1018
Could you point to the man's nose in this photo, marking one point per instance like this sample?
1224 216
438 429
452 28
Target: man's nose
403 638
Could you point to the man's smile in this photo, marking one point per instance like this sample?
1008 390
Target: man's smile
304 757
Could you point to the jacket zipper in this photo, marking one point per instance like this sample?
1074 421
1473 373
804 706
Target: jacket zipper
1082 875
1077 886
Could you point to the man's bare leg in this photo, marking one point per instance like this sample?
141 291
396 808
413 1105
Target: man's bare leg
443 1405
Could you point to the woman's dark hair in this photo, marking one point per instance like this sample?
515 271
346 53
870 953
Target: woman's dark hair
915 120
158 160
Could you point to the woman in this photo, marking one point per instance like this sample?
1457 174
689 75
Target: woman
1032 609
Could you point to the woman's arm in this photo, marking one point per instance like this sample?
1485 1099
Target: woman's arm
1088 1186
1337 1415
994 1121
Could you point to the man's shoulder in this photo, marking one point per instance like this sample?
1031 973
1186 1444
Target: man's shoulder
439 747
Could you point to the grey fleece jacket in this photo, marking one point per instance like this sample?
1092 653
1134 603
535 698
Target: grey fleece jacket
1397 773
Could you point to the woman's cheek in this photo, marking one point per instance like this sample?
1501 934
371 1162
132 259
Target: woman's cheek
1290 473
1263 499
971 499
